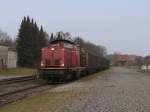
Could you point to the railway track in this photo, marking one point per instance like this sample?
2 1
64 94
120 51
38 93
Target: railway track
14 89
15 80
12 96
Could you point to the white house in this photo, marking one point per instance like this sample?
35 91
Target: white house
146 63
8 57
143 67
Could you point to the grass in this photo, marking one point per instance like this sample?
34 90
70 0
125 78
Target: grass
144 71
43 102
18 71
95 75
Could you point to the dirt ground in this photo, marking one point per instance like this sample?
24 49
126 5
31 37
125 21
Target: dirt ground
115 90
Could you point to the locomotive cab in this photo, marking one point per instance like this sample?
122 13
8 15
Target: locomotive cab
60 54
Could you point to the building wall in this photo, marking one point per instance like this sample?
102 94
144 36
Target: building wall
3 56
126 60
8 58
12 59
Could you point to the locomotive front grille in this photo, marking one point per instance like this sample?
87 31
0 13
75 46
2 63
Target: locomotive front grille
57 62
50 63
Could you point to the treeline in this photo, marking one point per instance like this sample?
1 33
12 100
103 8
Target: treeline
91 47
60 35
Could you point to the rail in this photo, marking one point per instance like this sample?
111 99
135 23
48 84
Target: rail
16 79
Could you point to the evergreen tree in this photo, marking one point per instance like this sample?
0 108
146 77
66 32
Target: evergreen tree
42 38
23 43
42 41
51 37
59 36
29 42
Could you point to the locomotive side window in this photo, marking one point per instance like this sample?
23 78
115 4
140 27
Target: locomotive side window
68 45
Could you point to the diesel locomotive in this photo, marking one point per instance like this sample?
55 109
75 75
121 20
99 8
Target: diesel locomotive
63 60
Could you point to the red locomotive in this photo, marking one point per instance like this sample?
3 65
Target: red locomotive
64 60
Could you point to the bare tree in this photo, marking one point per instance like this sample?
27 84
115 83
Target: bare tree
90 47
5 39
79 40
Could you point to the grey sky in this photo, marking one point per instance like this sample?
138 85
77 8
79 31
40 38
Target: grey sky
120 25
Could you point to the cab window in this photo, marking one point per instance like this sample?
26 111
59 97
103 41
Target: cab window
68 45
55 45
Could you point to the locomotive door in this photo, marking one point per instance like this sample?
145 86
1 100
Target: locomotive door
55 61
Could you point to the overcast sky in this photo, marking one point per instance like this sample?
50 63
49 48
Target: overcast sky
120 25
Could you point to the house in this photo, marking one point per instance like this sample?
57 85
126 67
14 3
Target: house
146 60
146 63
126 60
8 57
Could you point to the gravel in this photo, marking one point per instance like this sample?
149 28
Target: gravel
117 90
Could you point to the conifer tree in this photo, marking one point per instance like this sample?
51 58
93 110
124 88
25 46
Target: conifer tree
51 37
29 43
59 37
42 41
23 43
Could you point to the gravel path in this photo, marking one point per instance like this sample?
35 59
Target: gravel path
117 90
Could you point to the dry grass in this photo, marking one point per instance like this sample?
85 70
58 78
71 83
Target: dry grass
18 71
96 75
144 71
43 102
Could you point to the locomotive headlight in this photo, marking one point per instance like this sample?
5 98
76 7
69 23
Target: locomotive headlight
42 64
52 49
62 64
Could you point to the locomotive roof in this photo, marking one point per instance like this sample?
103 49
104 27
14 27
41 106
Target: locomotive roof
62 40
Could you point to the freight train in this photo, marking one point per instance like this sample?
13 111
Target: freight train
63 60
